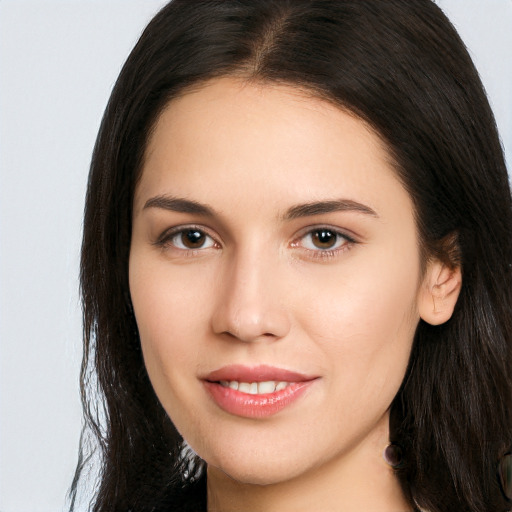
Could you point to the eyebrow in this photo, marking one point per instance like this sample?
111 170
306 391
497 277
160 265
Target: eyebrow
178 204
321 207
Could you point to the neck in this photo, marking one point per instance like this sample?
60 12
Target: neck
358 480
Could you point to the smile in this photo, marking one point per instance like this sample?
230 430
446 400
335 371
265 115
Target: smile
252 392
255 388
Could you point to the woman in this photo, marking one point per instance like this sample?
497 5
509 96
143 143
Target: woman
297 255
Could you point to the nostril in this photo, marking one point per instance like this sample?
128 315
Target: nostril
250 320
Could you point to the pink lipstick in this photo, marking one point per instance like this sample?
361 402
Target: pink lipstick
255 392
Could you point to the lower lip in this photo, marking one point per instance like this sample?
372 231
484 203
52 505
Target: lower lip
255 406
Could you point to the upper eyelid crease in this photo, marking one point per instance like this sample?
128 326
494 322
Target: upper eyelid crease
320 254
334 229
169 233
348 238
305 232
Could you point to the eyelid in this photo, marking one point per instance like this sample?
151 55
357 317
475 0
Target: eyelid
345 233
350 241
164 239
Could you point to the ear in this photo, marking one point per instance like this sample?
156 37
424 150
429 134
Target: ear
439 292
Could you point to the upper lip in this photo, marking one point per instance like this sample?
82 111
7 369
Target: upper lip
260 373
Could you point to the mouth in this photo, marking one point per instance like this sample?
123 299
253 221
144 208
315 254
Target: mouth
255 392
256 388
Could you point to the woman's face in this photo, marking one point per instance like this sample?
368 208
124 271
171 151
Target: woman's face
275 278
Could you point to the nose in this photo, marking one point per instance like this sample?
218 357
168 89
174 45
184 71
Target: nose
250 306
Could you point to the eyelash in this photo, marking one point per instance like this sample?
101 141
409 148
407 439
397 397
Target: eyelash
325 254
165 241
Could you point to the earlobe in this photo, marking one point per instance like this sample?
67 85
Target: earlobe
439 293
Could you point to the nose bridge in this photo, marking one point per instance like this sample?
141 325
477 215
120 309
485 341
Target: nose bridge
249 305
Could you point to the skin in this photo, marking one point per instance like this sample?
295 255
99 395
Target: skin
259 291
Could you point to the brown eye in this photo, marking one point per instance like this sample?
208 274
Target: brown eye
324 238
190 239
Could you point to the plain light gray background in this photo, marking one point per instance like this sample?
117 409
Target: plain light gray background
58 63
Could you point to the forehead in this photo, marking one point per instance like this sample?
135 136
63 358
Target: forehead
233 141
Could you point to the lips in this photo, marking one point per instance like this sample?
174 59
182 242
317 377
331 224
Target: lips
260 373
255 392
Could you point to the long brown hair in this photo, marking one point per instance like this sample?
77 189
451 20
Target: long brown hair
400 66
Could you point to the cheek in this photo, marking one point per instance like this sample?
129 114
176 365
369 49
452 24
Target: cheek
171 318
363 321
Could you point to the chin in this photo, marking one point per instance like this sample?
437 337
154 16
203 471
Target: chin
250 476
258 470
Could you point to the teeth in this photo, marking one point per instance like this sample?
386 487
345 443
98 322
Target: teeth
281 386
255 388
266 387
244 387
